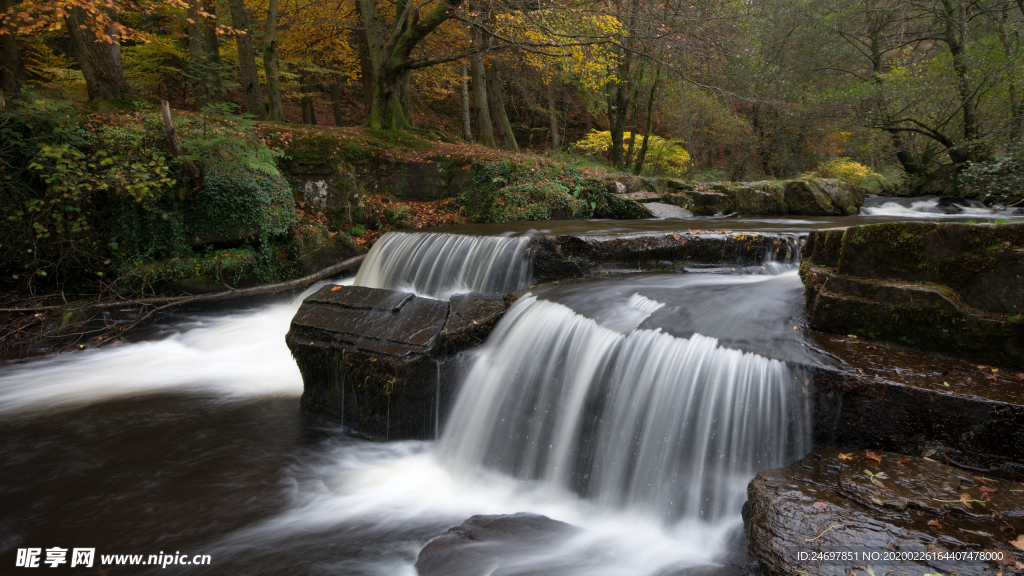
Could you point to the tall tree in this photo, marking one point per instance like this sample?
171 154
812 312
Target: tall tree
496 99
248 76
270 65
104 76
12 69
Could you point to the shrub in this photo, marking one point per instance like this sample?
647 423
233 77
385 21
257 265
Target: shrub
1001 178
854 173
356 231
240 203
663 154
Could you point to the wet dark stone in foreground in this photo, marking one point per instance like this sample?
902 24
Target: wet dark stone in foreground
487 544
372 359
826 503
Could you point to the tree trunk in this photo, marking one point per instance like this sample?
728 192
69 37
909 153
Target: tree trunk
467 125
211 45
617 109
390 59
199 82
956 40
308 112
642 155
556 141
496 102
386 111
336 107
276 112
484 127
405 98
12 69
247 73
104 78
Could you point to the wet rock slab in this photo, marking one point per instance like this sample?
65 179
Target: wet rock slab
492 545
566 256
883 510
371 359
973 423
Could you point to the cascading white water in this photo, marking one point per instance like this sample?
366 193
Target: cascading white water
641 420
439 265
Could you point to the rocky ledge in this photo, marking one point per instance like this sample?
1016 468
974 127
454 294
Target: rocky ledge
805 196
954 289
565 256
373 359
873 512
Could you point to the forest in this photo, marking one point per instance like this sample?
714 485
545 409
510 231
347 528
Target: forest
105 192
922 92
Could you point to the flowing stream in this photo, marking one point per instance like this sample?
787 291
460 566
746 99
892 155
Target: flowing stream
636 407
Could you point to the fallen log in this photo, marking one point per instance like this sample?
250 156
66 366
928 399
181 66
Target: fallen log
167 302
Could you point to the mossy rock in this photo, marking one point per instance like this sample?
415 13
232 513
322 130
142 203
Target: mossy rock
340 247
950 288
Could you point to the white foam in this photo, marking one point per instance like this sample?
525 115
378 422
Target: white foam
240 354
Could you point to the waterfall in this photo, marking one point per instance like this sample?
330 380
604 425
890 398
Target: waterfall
640 420
439 265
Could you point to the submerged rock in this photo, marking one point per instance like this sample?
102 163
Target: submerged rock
877 512
492 545
955 289
371 358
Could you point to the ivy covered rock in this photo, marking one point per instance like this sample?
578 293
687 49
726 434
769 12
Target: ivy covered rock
237 204
505 190
955 289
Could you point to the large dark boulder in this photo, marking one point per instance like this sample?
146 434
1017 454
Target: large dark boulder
371 358
880 513
955 289
488 544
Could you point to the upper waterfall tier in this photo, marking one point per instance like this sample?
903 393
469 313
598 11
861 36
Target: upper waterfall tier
439 265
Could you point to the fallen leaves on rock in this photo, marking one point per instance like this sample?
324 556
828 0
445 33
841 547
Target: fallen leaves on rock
820 505
845 456
935 524
1019 542
872 456
876 478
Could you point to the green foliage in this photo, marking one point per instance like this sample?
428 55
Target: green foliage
155 66
85 198
56 175
854 173
1002 177
509 190
400 216
664 155
233 262
238 203
220 139
356 231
